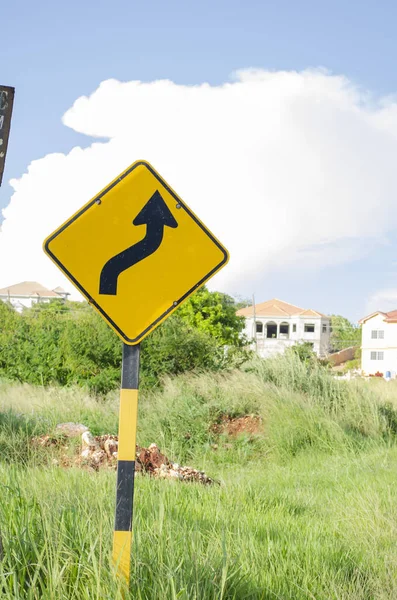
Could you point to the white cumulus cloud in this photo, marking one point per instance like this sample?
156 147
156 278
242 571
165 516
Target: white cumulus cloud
289 170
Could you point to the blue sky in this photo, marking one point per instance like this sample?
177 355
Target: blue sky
54 52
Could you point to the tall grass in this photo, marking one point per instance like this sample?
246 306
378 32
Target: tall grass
306 507
319 527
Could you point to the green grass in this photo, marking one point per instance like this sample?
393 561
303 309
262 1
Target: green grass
306 509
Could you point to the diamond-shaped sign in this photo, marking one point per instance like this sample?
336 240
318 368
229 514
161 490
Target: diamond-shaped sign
136 252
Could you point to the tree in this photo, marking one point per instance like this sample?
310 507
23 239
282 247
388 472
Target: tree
241 302
56 305
56 343
304 351
215 314
344 334
176 347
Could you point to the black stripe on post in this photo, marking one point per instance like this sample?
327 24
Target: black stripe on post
130 368
125 495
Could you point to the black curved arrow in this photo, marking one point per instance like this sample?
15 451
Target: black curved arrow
155 215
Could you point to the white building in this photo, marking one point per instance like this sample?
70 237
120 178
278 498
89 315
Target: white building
276 325
25 294
379 343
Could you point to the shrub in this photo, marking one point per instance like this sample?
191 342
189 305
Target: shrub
46 345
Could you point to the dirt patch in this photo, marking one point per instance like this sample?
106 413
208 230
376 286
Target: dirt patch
235 426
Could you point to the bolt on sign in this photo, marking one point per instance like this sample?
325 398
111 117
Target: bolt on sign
136 252
6 104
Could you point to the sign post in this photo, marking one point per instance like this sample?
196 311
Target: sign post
6 104
122 535
135 251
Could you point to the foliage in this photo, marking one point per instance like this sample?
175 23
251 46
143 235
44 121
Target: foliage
69 343
306 507
352 364
344 333
214 313
304 351
241 302
53 306
307 376
177 347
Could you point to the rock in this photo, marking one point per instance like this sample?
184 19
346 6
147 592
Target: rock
86 453
101 452
110 447
98 456
162 471
172 474
48 440
71 429
151 458
89 441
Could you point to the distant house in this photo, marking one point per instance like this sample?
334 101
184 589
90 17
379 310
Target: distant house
276 325
379 343
25 294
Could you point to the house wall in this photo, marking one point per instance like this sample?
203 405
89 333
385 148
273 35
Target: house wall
387 345
267 346
21 302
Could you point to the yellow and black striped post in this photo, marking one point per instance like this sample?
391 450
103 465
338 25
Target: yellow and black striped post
122 536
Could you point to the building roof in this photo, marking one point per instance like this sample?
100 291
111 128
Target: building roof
59 290
390 317
28 289
311 313
277 308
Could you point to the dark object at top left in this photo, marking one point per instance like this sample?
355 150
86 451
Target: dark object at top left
6 104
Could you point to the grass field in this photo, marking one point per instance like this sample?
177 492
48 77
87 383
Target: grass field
306 508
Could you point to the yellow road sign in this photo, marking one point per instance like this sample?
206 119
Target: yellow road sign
136 252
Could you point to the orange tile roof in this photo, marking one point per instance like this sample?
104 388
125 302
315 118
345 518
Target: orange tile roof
311 313
391 317
378 312
277 308
28 289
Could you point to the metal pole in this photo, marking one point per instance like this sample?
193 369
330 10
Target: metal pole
122 536
256 338
6 105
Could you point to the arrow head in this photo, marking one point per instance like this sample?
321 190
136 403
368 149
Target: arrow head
155 211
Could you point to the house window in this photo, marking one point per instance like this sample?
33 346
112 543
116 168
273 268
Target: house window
324 328
309 328
377 334
284 330
259 327
294 328
271 330
377 355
